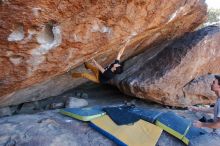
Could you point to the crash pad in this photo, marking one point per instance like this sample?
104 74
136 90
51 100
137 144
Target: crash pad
83 114
123 115
146 114
178 127
141 133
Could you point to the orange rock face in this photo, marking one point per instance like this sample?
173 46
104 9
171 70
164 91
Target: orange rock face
45 38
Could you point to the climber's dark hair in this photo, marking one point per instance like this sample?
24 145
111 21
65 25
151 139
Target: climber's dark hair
218 78
119 69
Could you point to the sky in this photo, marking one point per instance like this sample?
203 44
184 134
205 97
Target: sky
213 3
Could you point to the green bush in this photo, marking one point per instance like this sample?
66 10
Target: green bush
213 16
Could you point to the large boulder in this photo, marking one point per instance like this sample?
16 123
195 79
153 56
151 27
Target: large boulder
199 89
172 76
42 39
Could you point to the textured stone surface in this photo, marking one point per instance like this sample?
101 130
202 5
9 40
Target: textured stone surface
5 111
199 89
162 78
48 129
74 102
206 139
42 39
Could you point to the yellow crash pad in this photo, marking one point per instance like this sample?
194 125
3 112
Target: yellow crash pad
141 133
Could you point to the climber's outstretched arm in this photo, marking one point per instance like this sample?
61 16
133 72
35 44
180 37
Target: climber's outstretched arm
98 65
121 51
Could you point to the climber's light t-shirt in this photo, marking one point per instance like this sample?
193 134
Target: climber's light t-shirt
217 114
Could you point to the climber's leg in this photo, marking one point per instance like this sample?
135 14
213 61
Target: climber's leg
87 76
93 69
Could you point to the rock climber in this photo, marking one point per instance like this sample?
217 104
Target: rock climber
212 138
100 74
